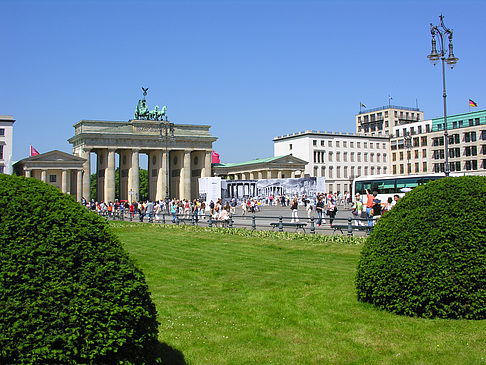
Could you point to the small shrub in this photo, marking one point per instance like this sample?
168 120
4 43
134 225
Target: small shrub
68 291
427 256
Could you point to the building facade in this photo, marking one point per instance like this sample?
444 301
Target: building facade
410 148
419 147
176 159
381 121
467 143
55 168
338 157
6 140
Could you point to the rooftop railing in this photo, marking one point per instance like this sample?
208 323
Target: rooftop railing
388 107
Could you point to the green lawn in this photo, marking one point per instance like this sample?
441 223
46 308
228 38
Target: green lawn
224 299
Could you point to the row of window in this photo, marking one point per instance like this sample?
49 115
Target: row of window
456 166
411 142
379 116
459 124
373 127
456 139
408 167
319 157
412 130
375 145
2 131
416 154
349 172
456 152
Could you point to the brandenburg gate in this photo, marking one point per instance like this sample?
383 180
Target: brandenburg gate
178 155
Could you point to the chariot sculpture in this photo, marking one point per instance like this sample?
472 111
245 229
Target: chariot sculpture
142 111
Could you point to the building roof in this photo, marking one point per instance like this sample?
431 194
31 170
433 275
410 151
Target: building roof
365 111
55 158
285 159
325 133
252 162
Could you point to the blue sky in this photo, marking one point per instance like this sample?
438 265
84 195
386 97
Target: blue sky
250 69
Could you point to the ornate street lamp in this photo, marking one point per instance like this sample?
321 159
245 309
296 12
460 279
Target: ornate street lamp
167 134
408 146
441 31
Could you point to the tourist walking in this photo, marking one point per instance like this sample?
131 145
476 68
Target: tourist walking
369 208
332 210
149 210
357 209
294 208
320 211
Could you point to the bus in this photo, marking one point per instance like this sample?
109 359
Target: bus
390 185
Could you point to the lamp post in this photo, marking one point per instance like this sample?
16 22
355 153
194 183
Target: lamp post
166 135
441 31
408 146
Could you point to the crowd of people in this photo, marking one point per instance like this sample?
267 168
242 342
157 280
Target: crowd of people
325 206
372 209
178 209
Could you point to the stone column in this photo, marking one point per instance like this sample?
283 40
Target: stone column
109 187
44 175
161 176
185 178
279 174
133 177
292 174
269 174
27 173
79 185
260 175
206 170
252 176
64 181
86 182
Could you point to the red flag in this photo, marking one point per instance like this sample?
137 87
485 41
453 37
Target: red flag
214 157
33 151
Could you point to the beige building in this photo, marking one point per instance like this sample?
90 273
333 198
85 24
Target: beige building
55 168
410 148
6 141
381 121
178 155
338 157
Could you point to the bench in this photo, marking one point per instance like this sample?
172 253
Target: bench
344 228
296 225
186 220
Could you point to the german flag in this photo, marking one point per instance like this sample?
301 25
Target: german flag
472 103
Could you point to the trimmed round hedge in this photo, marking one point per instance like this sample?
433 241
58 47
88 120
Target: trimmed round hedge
427 256
68 291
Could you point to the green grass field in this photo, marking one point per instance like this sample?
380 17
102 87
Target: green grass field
224 299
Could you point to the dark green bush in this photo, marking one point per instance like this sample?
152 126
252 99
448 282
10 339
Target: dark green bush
427 256
69 293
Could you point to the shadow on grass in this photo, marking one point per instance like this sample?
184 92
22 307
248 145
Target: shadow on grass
169 355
